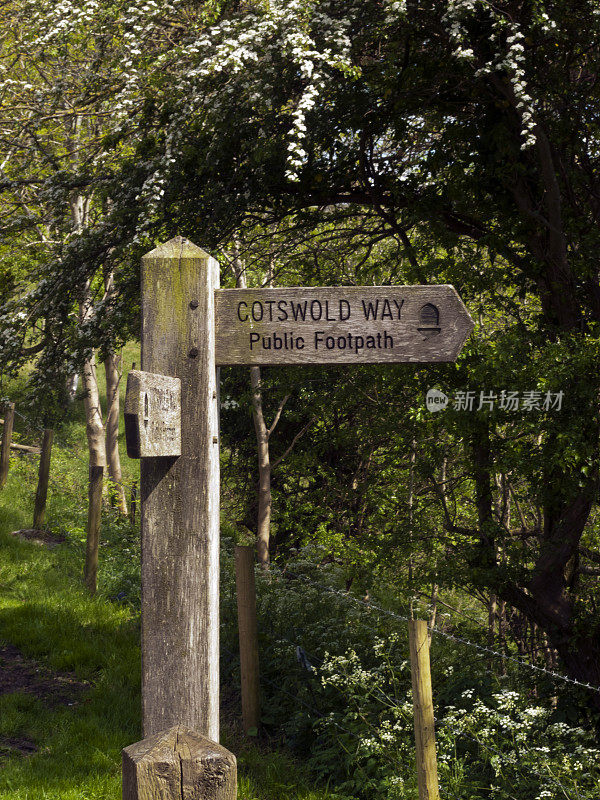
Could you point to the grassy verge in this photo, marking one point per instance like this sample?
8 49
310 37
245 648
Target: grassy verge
46 613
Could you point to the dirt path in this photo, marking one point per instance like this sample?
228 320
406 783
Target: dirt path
20 674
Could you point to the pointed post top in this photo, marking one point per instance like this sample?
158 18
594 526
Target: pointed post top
168 743
178 248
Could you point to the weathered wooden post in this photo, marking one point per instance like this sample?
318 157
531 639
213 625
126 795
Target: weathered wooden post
134 487
41 493
178 443
9 418
172 424
178 764
248 636
423 710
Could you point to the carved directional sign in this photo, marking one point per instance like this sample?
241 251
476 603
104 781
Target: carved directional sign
189 328
339 325
152 415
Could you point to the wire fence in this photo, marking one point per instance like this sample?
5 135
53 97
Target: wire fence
482 650
517 759
368 607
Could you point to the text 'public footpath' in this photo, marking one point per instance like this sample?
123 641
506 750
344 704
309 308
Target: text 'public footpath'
317 311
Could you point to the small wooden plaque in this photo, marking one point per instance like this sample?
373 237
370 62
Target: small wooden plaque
152 415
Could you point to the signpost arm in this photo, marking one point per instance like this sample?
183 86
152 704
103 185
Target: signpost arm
180 498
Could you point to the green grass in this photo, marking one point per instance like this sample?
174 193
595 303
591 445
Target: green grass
46 612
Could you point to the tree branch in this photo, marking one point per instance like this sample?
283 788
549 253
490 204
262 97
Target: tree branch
300 433
277 416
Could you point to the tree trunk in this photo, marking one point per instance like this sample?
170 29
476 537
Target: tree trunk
263 526
112 369
433 613
90 572
264 471
97 458
94 427
518 627
491 637
547 597
263 432
72 386
502 634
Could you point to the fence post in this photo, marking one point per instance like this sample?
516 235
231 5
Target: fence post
423 710
178 763
94 520
9 418
248 636
41 494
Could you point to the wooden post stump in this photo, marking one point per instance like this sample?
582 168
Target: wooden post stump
248 636
41 494
9 418
418 638
178 764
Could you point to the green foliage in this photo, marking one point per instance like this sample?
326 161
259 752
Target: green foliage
343 700
341 703
523 744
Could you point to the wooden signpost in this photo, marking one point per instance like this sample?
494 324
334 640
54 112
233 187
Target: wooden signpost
340 325
190 327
